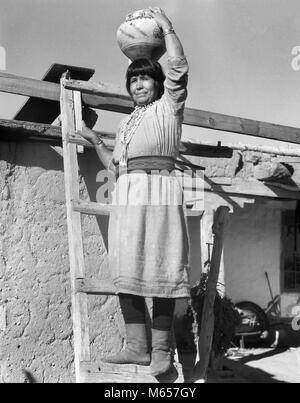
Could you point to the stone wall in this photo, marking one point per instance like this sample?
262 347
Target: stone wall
35 307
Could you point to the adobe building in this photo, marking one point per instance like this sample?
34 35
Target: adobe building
36 337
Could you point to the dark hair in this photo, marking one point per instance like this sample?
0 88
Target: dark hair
146 67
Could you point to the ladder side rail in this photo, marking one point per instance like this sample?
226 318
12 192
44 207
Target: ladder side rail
78 116
79 299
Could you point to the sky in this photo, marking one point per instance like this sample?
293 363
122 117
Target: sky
239 52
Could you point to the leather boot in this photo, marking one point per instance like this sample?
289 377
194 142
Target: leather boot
161 352
136 351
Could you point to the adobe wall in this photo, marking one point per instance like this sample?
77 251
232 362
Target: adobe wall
253 247
252 243
35 306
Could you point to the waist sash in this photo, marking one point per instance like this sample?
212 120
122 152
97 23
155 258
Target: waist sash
147 164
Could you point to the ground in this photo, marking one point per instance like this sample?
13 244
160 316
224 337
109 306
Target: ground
259 365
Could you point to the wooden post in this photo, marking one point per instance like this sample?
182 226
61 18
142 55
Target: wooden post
207 320
206 225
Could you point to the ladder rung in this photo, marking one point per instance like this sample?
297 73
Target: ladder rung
77 139
91 207
126 373
95 287
193 213
106 209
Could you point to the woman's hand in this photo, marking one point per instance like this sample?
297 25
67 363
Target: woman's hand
88 134
173 44
160 17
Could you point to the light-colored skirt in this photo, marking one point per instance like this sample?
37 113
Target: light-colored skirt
148 241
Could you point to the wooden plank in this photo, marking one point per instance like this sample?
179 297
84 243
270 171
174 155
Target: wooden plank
77 139
93 208
112 377
95 287
255 188
29 87
45 90
79 300
11 129
289 188
203 150
194 117
15 129
71 183
45 111
98 89
113 102
245 147
78 116
22 130
78 108
127 373
193 212
207 320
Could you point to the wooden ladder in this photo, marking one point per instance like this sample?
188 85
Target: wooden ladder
85 370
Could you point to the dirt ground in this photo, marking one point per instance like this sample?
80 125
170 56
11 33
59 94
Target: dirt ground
259 365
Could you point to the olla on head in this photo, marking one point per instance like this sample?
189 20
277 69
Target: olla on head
140 37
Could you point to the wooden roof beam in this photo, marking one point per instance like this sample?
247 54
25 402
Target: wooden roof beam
11 129
195 117
105 97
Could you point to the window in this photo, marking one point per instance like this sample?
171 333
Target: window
291 251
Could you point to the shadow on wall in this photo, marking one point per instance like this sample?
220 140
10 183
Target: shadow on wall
29 378
90 165
33 154
252 247
194 230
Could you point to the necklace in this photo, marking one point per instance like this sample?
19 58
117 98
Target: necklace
128 130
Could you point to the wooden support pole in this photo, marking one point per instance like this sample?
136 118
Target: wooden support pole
207 320
289 152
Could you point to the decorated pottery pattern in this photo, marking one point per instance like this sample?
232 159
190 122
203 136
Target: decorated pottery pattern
140 37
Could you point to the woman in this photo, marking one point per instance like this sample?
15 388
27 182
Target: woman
148 244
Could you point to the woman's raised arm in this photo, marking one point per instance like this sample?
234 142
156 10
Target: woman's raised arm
173 44
177 70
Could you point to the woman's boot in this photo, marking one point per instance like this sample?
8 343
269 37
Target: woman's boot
161 352
136 351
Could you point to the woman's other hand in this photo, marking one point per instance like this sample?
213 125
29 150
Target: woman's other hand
88 134
160 17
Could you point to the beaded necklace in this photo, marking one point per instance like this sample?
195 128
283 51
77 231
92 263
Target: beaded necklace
128 130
